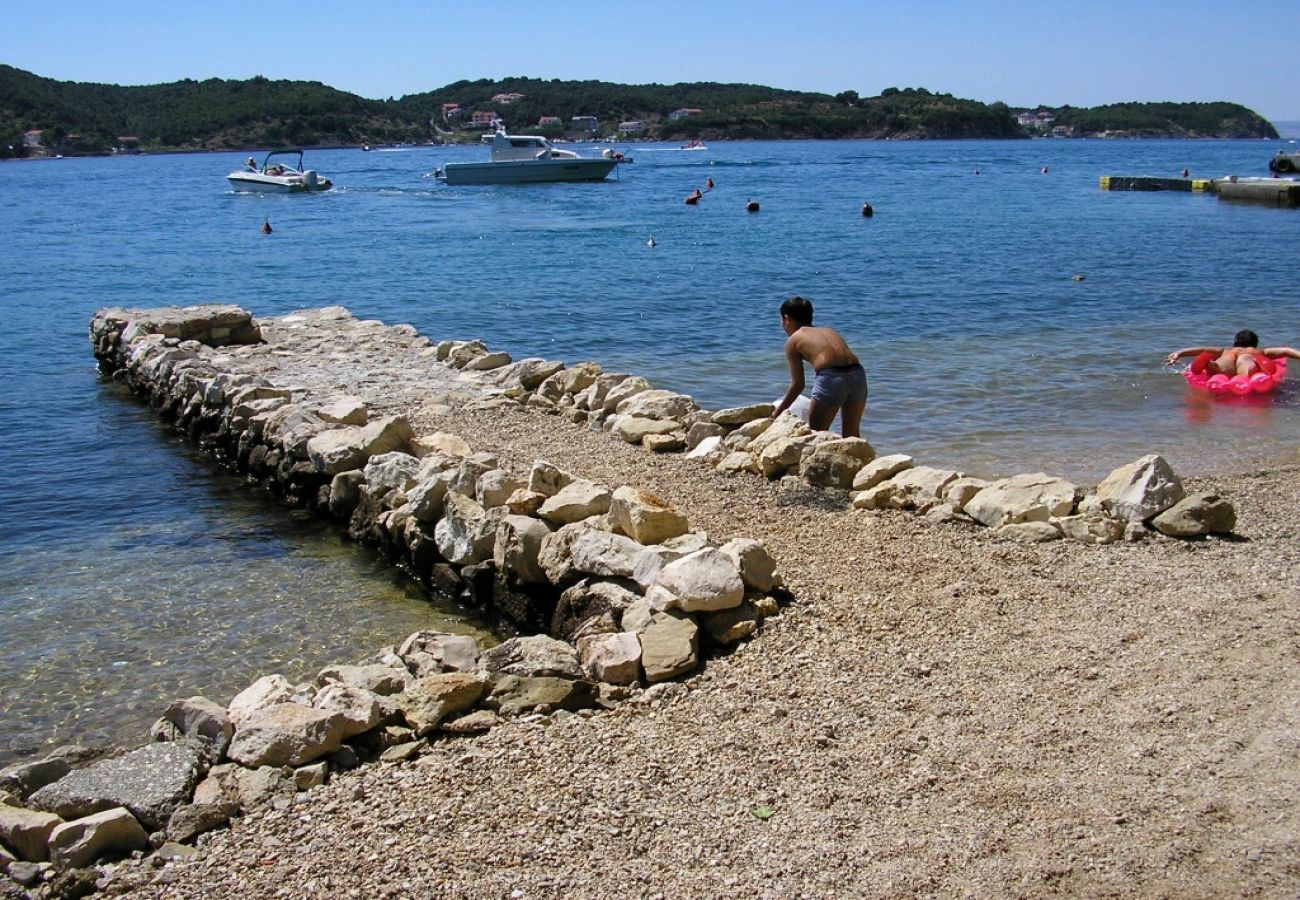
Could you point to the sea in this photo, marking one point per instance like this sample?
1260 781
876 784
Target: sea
1011 315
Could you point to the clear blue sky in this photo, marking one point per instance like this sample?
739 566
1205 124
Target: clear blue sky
1080 52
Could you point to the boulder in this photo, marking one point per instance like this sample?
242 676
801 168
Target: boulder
341 449
345 411
428 499
1031 532
707 579
514 694
27 831
1091 528
465 535
644 517
199 718
590 600
531 656
736 461
388 472
629 386
1140 490
707 447
492 360
569 381
527 374
265 691
261 785
345 493
111 832
518 548
701 430
151 782
286 734
358 708
664 443
435 697
465 352
440 443
578 500
634 429
880 469
656 404
918 487
959 491
726 626
431 652
1195 515
525 502
494 487
21 780
612 658
556 557
670 646
383 681
188 822
834 463
547 479
604 553
1022 498
780 456
756 566
742 415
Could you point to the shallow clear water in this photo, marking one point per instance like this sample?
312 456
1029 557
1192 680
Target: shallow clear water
132 570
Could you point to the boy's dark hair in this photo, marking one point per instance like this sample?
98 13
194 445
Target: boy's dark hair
799 310
1246 338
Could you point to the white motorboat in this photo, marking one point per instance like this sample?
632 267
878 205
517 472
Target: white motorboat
527 159
285 175
1284 163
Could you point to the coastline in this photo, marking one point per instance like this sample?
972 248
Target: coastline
940 708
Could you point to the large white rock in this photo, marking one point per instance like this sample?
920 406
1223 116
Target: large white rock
880 469
358 707
756 566
635 429
435 697
645 517
625 388
959 491
494 487
1091 528
742 415
79 843
464 534
519 546
705 447
569 381
784 426
341 449
779 456
431 652
1195 515
1141 489
427 498
1023 498
396 471
707 579
605 553
265 691
377 679
670 646
441 443
27 831
530 657
656 404
834 463
286 734
612 658
737 461
578 500
492 360
345 411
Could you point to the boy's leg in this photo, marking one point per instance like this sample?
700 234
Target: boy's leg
851 418
821 415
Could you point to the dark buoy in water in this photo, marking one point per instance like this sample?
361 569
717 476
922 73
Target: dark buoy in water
1044 170
693 197
1184 173
751 206
867 211
266 226
1078 277
708 183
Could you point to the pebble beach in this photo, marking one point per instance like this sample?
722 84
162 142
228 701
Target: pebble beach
940 712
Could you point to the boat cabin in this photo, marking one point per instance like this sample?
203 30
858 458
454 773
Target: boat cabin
520 147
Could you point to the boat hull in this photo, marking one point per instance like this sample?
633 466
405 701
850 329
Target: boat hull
528 171
271 184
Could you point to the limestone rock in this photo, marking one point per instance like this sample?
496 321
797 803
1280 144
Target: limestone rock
528 374
383 681
569 381
1140 490
644 517
742 415
834 463
427 499
590 600
780 455
556 557
261 785
21 780
345 493
629 386
286 734
605 553
546 479
27 831
664 443
515 694
79 843
431 652
265 691
435 697
150 782
880 469
345 411
494 487
707 448
531 656
726 626
634 429
670 646
518 548
1195 515
388 472
341 449
463 534
188 822
738 461
704 580
1022 498
756 566
656 404
491 360
701 430
440 442
576 501
525 502
959 491
201 719
1030 532
612 658
358 708
1091 528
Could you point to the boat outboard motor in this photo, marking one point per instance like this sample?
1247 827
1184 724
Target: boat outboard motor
309 178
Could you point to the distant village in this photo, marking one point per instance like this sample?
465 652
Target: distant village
579 127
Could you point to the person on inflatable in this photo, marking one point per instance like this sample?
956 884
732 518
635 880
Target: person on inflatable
1243 358
840 383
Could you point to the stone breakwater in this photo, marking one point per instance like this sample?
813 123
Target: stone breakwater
625 595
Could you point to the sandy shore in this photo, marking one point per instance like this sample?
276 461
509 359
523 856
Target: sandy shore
940 713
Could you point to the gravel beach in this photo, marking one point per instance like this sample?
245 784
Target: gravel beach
940 712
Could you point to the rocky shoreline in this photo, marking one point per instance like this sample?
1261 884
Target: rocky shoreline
847 727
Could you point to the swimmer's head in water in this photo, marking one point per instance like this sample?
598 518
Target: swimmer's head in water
1246 338
798 310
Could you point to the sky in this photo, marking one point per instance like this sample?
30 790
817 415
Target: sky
1076 52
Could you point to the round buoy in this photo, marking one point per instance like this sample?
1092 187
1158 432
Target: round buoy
1184 173
651 242
708 182
1044 170
751 206
266 226
1078 277
867 211
693 197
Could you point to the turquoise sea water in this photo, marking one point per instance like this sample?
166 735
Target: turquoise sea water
133 571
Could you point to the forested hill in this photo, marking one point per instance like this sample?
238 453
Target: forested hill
76 117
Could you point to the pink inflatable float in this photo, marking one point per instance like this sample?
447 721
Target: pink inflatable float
1258 382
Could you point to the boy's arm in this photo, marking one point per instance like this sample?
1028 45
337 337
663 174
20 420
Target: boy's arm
795 362
1273 352
1190 351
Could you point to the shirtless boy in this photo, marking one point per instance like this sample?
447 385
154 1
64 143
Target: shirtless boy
840 382
1243 358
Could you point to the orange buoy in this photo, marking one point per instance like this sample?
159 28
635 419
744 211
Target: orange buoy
751 206
693 197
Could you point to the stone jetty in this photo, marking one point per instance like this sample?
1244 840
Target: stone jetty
615 596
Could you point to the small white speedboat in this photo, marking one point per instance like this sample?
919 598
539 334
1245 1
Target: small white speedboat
1284 163
282 172
528 159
